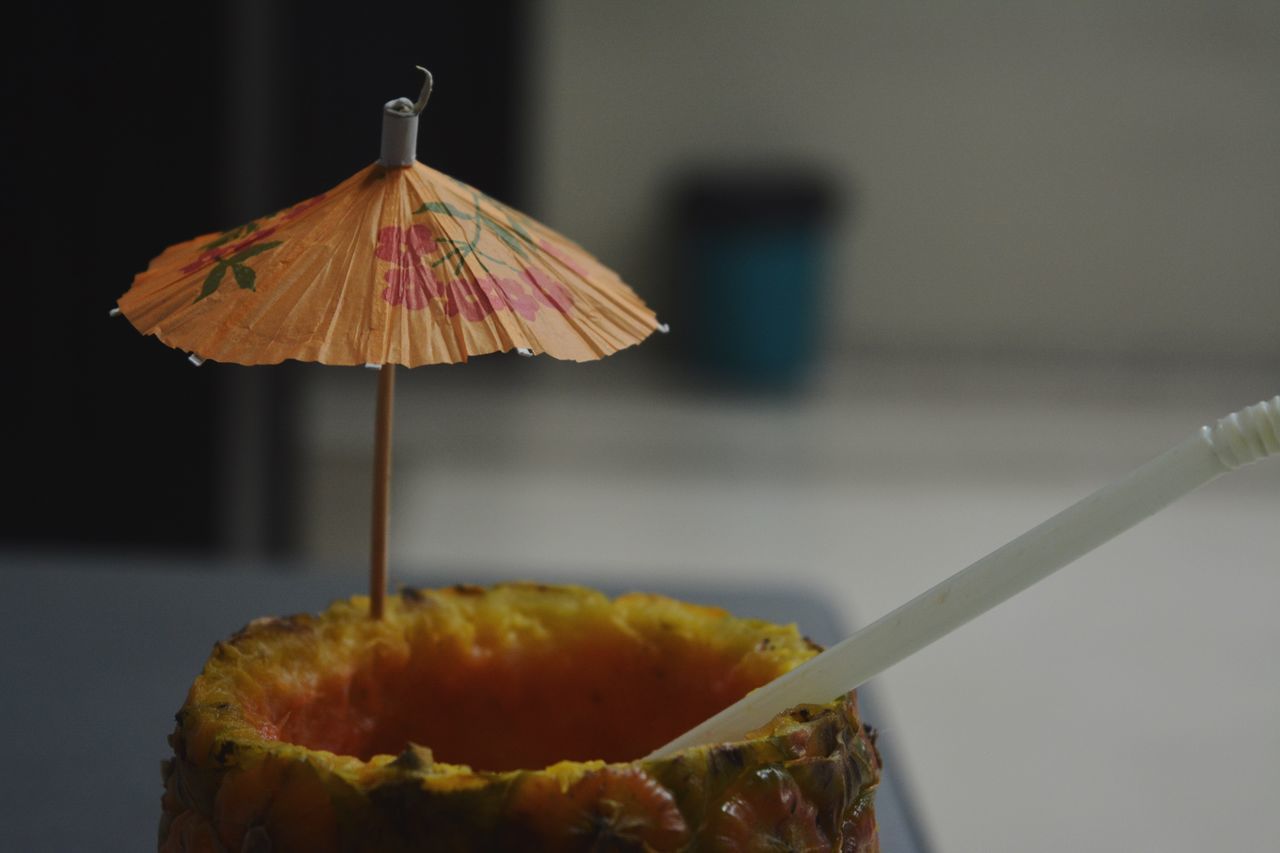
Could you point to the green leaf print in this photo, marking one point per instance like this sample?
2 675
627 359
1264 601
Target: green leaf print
245 276
442 207
512 241
213 279
519 229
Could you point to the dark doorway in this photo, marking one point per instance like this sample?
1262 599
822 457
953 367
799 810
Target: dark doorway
130 130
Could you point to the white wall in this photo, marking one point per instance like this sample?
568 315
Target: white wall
1088 177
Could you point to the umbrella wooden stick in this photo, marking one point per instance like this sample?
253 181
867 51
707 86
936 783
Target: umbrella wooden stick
1240 438
399 149
381 490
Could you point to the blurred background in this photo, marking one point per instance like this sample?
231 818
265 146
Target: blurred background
933 272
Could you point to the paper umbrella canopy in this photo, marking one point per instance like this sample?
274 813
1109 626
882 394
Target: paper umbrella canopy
399 264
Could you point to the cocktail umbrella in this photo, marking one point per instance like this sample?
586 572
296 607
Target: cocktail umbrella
399 264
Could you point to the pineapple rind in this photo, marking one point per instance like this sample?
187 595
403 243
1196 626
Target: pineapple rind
232 783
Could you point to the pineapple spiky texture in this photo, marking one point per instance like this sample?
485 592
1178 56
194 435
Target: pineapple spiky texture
508 718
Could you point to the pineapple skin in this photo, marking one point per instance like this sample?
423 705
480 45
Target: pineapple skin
804 781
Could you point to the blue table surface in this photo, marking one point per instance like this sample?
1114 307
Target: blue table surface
98 653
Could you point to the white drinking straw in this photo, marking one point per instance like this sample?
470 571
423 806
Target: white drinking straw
1240 438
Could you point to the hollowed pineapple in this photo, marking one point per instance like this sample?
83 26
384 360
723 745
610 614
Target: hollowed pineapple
508 718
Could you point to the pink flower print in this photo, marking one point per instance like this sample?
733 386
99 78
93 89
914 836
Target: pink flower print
549 291
403 245
523 302
487 295
516 295
411 282
210 256
411 286
562 256
473 301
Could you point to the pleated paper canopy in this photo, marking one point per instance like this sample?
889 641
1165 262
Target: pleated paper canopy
397 265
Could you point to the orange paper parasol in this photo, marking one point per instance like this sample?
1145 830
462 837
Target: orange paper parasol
399 264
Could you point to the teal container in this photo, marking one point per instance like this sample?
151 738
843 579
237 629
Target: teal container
751 283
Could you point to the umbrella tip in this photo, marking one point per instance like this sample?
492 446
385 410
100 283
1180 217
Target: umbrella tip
427 82
524 351
400 126
406 107
114 312
195 359
663 328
